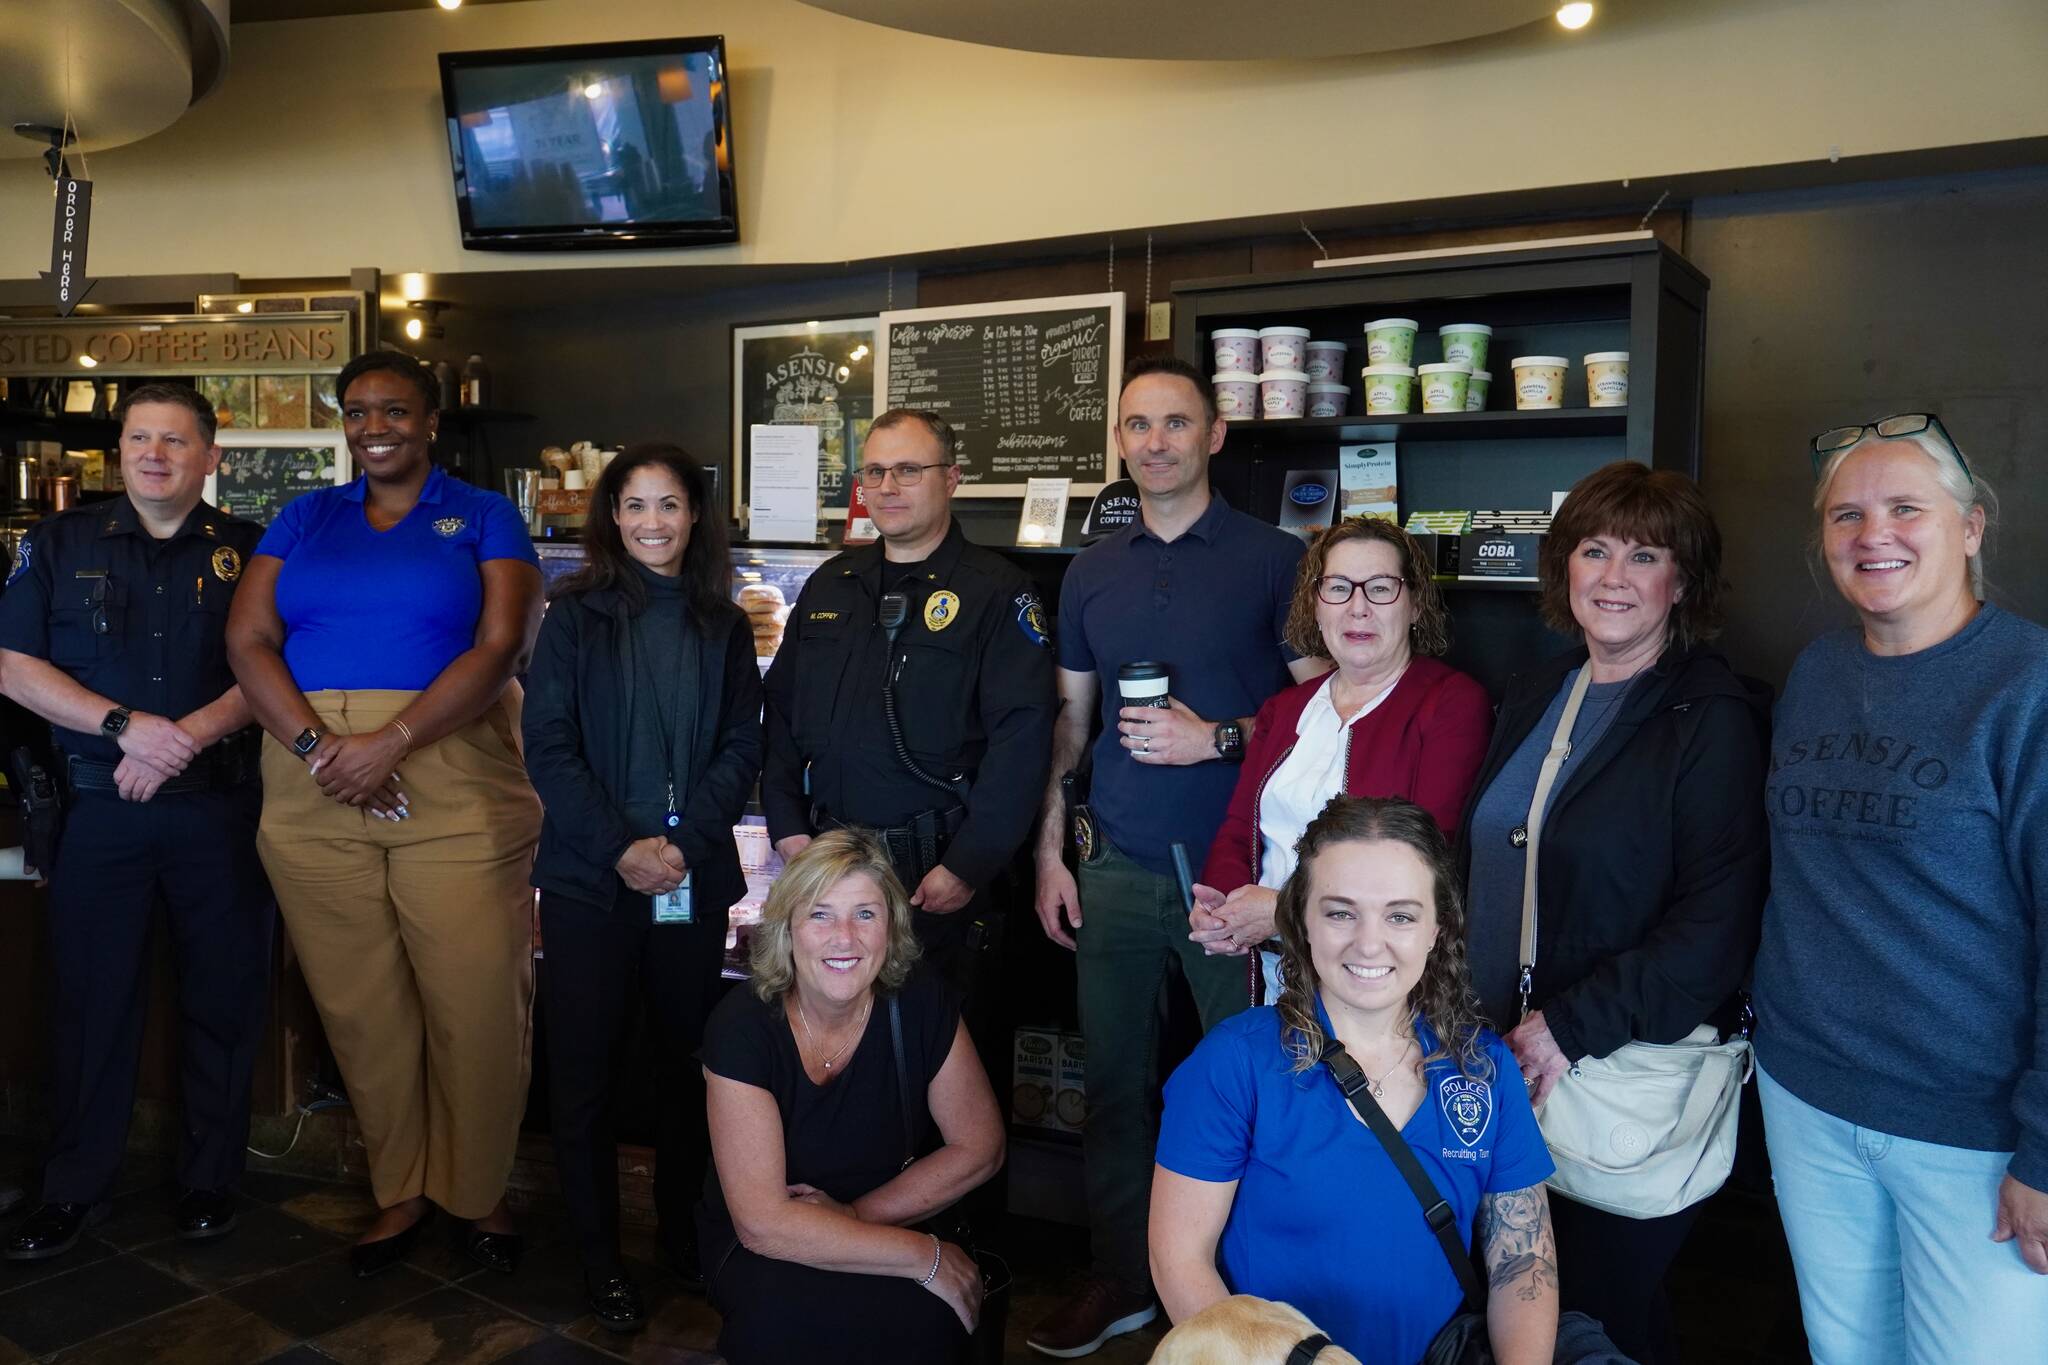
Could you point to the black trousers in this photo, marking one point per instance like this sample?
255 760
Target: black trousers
780 1313
195 852
596 968
1613 1268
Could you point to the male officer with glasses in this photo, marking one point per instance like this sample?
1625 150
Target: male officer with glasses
913 695
111 629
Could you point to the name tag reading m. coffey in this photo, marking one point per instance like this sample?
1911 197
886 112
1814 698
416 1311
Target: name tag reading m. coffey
674 908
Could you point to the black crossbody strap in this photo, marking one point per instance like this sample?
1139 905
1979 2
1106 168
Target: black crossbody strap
1436 1210
902 1081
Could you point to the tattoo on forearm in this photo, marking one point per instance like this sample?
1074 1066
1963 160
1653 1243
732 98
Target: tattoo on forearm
1521 1251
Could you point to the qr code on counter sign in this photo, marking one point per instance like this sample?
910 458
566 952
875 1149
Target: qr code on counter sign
1043 511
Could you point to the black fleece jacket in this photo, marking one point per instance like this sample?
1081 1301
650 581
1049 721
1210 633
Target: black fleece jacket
1655 859
580 694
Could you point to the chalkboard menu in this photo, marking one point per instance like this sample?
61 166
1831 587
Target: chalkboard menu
262 471
1029 386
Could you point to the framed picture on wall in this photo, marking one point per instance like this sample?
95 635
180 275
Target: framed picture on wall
815 373
261 471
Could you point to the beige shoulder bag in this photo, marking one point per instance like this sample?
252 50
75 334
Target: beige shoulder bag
1650 1128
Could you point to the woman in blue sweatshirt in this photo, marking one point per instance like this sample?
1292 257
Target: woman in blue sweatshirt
1902 988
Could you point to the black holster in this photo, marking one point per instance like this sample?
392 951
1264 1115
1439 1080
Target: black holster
42 810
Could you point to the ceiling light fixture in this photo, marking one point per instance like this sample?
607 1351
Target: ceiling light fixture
1576 15
594 90
450 4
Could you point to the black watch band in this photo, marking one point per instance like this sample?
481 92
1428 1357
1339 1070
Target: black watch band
308 740
115 721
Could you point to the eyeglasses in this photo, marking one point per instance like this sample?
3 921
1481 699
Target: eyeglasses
1903 424
1381 590
907 475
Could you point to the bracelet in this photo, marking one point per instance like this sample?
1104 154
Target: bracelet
405 730
933 1273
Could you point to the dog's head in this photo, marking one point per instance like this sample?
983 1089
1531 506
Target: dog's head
1243 1330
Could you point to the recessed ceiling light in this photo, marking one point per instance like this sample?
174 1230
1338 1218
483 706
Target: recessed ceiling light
450 4
1575 15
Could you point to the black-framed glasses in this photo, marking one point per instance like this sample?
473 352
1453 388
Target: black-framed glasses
907 475
1381 590
1890 428
99 607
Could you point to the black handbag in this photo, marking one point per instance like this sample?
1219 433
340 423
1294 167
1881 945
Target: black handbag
1463 1340
985 1344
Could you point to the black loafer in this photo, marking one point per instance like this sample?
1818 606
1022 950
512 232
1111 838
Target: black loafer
51 1231
616 1301
206 1214
374 1258
499 1251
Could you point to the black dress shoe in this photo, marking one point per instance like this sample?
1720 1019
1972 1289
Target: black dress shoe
499 1251
374 1258
681 1255
206 1214
51 1230
616 1301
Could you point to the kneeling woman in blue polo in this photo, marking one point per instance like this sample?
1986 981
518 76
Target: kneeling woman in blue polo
1268 1183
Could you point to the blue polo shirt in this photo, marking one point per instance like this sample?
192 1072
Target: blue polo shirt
367 610
1321 1218
1212 606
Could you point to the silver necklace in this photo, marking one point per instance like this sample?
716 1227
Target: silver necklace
859 1029
1379 1087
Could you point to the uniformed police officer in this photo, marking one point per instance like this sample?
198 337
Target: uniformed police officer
111 630
913 694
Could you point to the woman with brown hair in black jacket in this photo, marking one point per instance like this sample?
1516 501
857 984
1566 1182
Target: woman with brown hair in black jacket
643 739
1652 854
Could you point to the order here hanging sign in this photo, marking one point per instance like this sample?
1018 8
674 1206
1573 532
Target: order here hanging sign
68 232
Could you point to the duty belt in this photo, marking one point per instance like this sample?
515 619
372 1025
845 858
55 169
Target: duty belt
915 846
223 770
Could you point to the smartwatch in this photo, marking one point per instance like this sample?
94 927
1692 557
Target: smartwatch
1230 741
308 740
116 721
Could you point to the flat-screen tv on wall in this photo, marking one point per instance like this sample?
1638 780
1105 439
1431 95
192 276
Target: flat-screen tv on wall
595 145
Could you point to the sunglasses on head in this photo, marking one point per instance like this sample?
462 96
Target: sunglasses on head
1889 428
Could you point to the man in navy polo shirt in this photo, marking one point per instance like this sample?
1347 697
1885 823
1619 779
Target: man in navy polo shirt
1203 589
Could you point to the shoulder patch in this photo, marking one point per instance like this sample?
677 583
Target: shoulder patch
1467 1105
1031 619
21 557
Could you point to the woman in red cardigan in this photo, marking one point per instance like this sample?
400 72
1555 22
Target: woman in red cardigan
1388 720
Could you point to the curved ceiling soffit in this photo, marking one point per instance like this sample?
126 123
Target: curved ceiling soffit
123 69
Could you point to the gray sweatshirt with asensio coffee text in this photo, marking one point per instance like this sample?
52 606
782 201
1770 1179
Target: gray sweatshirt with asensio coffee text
1903 979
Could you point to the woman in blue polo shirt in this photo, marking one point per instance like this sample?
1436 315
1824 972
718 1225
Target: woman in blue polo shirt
376 636
1269 1184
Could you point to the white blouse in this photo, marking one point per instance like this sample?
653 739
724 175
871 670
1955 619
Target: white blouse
1297 791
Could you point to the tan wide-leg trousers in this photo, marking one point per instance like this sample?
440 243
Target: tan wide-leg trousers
416 937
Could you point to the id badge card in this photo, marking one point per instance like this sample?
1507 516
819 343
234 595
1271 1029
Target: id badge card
674 907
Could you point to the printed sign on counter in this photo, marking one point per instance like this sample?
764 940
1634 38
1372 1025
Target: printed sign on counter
1308 501
1043 519
1370 480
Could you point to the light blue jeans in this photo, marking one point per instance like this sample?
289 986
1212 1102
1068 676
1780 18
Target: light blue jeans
1892 1242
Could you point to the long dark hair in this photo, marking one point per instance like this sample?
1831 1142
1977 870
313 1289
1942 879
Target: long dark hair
1443 997
707 564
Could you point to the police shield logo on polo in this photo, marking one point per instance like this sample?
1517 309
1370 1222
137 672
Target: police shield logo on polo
227 565
940 609
1031 619
448 526
1467 1105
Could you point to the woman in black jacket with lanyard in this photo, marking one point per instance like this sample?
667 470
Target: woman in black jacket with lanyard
643 738
1651 844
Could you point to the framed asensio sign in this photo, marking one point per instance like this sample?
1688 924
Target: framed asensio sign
261 471
811 373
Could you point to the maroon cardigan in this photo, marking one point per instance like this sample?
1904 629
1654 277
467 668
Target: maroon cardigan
1425 742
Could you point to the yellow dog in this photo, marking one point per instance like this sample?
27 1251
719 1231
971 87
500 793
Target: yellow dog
1243 1330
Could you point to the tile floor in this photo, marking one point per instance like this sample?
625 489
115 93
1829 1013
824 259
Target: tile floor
279 1290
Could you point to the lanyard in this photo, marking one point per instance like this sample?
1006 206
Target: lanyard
670 727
